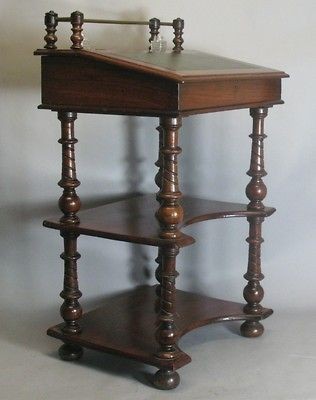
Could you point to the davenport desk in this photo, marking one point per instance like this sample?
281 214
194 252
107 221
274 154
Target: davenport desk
146 323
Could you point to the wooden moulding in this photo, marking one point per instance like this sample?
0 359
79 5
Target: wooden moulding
87 82
126 323
133 220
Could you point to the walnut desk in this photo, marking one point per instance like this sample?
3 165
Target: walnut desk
146 323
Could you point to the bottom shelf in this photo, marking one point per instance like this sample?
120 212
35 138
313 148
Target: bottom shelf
126 323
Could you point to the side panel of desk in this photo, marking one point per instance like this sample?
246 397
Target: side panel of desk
76 82
229 93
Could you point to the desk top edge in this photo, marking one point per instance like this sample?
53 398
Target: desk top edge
164 65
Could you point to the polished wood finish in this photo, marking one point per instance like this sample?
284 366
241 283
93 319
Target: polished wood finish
167 331
158 181
125 324
241 91
133 220
178 26
97 82
154 26
169 215
70 310
99 85
69 202
170 212
51 22
76 20
146 323
256 192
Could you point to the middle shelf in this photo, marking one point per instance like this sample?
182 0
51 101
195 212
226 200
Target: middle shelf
133 220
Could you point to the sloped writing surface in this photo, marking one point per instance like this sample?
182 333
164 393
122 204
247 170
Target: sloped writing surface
189 63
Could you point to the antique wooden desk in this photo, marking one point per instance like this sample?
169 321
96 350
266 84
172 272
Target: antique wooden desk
146 323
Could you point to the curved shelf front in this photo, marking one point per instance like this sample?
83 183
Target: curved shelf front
133 220
127 322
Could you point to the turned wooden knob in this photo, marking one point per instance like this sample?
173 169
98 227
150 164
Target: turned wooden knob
154 26
178 26
51 22
76 20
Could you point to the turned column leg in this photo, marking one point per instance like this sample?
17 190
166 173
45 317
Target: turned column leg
158 181
256 192
169 215
69 204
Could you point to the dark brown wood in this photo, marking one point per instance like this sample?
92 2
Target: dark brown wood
240 91
133 220
167 332
154 26
178 26
76 20
169 215
80 81
125 324
151 112
71 310
146 323
256 192
158 181
91 82
51 22
170 212
70 352
69 202
159 162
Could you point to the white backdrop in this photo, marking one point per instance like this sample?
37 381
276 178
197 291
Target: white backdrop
116 153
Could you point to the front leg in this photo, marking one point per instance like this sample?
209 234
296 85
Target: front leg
256 192
69 204
169 215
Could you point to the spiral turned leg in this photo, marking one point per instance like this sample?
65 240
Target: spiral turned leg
167 335
158 181
69 204
169 215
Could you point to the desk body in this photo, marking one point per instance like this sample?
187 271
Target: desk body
146 323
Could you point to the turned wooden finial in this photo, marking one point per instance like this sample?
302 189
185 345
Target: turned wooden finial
178 26
51 22
154 26
76 20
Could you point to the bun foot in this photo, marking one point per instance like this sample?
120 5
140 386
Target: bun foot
70 352
251 329
166 379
